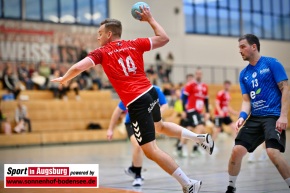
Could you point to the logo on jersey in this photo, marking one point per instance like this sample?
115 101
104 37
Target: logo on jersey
266 70
246 78
152 105
253 94
254 75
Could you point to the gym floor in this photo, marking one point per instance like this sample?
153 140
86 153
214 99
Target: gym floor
113 157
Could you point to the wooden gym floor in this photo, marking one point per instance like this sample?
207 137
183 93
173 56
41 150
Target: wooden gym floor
257 177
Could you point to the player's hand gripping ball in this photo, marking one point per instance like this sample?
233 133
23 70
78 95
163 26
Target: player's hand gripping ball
136 7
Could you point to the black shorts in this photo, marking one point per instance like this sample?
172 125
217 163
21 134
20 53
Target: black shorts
143 113
218 121
129 129
256 130
194 119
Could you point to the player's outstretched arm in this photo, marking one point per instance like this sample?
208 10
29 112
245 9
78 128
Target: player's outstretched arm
245 111
160 38
75 70
282 122
114 118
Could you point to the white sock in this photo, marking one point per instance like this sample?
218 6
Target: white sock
232 181
181 177
185 133
288 181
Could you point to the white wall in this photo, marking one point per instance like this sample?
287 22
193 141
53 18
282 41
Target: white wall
189 49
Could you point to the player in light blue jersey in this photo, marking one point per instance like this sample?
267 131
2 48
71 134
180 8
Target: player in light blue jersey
265 105
137 155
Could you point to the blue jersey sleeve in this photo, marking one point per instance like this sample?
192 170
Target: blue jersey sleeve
161 96
122 106
242 85
278 70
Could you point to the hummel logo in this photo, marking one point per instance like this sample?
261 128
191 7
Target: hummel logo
135 124
138 134
139 139
136 129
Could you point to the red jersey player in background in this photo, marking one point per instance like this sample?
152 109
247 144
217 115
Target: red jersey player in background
194 100
123 63
223 111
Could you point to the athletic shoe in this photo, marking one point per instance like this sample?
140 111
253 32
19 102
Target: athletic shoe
206 142
263 156
192 187
129 172
251 158
137 182
231 189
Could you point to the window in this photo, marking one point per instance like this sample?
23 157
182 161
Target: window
12 9
286 18
199 22
100 11
50 11
212 20
268 19
0 8
84 12
67 13
32 9
88 12
224 21
234 23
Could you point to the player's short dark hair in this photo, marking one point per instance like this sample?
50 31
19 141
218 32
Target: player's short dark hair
113 25
227 82
189 75
251 39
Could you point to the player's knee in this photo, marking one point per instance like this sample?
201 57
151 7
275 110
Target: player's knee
150 152
273 153
239 151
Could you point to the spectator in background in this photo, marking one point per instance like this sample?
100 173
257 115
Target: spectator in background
168 65
5 126
57 89
21 118
31 70
44 70
24 76
83 53
151 74
10 81
95 78
53 68
158 61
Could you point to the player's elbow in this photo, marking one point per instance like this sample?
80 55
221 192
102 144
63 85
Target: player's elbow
165 39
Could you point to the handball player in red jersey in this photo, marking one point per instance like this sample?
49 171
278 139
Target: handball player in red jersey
122 61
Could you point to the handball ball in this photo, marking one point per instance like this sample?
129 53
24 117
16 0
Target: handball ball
136 7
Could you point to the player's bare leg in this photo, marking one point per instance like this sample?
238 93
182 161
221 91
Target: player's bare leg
152 152
174 130
235 163
137 161
279 161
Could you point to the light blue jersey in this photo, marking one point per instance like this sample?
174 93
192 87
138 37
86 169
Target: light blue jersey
162 101
260 83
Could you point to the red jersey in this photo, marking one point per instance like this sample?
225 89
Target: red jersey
223 98
123 64
197 93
